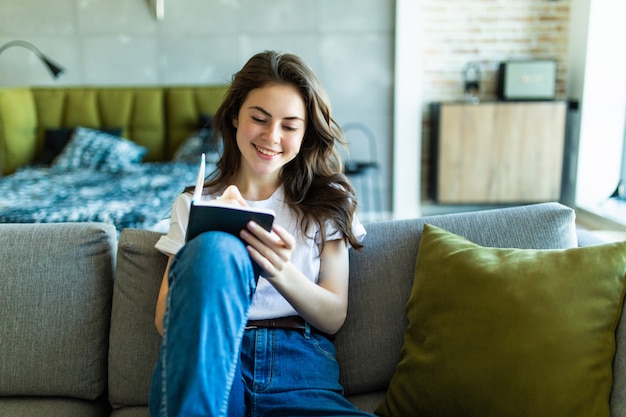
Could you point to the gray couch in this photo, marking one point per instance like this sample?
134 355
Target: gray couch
75 341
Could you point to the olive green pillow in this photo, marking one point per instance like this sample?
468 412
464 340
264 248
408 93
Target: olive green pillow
508 332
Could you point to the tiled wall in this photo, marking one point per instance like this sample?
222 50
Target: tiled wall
349 43
486 32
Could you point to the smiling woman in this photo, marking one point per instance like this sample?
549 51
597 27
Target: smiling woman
285 289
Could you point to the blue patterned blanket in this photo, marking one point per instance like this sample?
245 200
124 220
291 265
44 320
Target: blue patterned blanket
138 197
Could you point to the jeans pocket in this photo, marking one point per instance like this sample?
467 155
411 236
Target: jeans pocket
323 345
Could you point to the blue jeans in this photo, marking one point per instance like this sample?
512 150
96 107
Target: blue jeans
210 365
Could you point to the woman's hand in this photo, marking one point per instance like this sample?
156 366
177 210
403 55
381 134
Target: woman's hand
271 250
232 196
323 304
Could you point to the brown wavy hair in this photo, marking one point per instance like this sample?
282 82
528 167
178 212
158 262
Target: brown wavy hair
314 183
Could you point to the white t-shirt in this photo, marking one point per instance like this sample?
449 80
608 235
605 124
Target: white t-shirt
267 302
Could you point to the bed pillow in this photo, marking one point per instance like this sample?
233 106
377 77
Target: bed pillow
508 332
56 139
195 145
205 120
93 149
199 142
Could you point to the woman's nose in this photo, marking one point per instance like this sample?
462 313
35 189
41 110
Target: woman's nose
273 132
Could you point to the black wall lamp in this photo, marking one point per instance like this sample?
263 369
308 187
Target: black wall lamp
55 69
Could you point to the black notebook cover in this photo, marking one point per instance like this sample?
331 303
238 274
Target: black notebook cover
230 219
204 216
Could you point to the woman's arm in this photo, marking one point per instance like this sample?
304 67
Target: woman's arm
160 304
324 305
231 196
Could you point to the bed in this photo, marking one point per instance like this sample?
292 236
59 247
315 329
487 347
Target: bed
119 155
139 197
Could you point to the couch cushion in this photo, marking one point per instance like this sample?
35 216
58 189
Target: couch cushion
381 276
55 308
367 402
507 331
134 340
53 406
137 411
618 394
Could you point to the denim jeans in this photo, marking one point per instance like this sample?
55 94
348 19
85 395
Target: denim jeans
210 365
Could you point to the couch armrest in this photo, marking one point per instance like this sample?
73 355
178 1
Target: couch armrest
55 306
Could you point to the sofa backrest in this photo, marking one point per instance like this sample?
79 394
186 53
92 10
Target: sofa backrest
134 340
55 303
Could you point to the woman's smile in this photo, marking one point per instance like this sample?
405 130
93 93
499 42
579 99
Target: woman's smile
264 152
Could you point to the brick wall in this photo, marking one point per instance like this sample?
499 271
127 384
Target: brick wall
485 32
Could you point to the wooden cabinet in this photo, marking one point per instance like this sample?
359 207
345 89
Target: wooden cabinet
497 152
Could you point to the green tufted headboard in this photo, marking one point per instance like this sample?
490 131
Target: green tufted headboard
159 118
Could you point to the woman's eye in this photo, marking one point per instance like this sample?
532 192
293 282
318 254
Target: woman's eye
290 128
258 119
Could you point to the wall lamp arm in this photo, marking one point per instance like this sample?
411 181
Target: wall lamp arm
55 69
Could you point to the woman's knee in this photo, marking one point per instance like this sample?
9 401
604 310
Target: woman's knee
211 245
211 248
210 258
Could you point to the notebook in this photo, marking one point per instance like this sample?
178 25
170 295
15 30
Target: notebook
211 215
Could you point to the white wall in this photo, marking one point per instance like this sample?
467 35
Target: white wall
597 78
408 113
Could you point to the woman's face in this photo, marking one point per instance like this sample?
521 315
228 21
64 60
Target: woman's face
270 128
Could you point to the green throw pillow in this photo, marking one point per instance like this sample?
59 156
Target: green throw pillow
508 332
